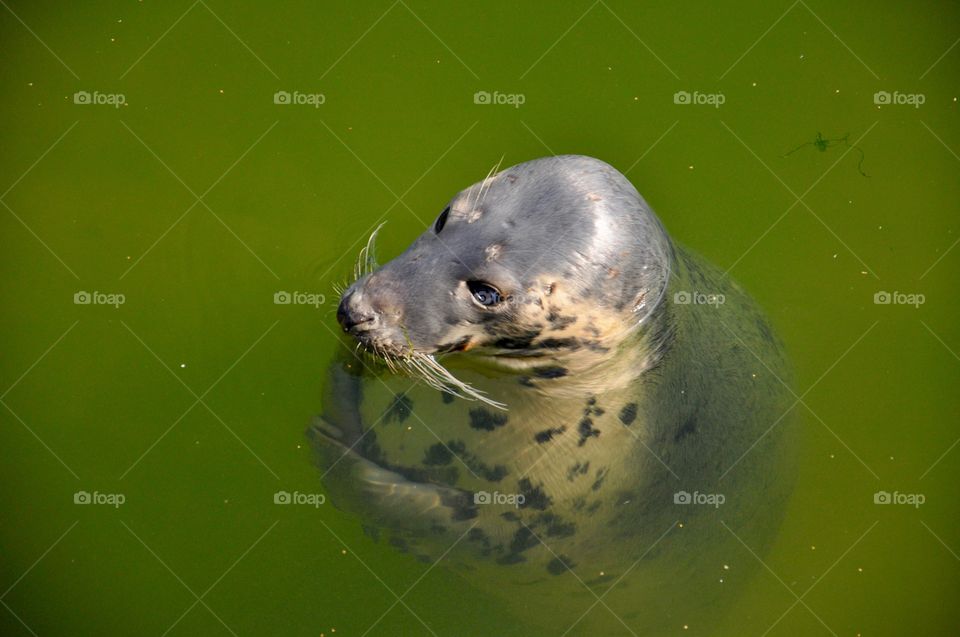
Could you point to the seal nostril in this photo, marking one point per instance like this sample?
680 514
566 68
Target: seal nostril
350 322
349 318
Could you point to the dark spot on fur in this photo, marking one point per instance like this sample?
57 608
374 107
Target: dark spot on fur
559 322
592 409
628 414
478 535
370 448
447 397
598 482
555 526
522 540
461 505
547 434
689 427
495 473
550 372
557 343
594 506
510 516
400 544
399 410
518 341
577 470
765 332
594 346
525 381
534 497
481 418
436 455
587 430
560 565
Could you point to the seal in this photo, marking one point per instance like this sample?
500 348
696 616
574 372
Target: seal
560 402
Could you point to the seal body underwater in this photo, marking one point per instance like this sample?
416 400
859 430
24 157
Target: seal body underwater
564 405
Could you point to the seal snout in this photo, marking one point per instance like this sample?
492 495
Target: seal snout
355 315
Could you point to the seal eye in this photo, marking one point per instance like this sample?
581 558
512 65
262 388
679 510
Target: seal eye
485 294
441 220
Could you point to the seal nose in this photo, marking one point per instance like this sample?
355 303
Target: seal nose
351 314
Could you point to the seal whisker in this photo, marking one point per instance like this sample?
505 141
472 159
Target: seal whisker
441 378
367 258
487 181
425 367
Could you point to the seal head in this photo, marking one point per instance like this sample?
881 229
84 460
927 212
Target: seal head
552 256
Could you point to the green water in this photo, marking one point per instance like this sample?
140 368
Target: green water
200 198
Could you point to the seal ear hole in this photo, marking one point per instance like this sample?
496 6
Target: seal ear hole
484 293
441 220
